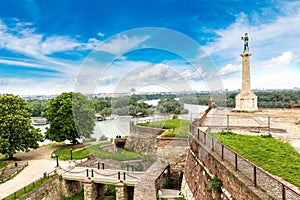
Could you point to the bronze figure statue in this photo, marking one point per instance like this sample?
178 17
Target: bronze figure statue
246 39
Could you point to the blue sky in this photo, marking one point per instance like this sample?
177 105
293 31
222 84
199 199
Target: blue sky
94 46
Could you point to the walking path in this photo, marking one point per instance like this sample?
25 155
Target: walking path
39 162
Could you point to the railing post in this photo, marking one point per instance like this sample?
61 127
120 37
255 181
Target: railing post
269 124
124 176
227 123
119 175
283 192
92 173
198 134
235 162
57 164
222 152
98 165
204 138
87 172
254 175
212 144
102 165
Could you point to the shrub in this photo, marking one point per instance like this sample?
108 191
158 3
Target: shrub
89 139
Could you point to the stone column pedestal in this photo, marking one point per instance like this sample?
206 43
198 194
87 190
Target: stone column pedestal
246 101
89 190
121 191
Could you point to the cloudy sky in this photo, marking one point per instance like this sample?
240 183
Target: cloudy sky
95 46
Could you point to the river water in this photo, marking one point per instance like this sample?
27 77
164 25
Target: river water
120 125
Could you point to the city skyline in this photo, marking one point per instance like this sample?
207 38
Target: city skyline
45 45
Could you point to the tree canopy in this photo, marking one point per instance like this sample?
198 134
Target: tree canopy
71 116
16 131
172 106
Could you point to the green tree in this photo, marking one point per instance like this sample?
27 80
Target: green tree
71 116
170 105
16 131
39 107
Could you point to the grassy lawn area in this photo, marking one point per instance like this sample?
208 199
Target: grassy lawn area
121 155
175 127
273 155
2 164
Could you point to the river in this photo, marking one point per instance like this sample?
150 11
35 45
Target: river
120 125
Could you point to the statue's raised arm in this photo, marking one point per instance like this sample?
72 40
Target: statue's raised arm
246 39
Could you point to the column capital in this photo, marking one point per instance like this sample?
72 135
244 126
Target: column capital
246 54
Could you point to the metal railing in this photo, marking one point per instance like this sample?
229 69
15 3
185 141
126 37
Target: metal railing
259 177
159 118
31 186
119 175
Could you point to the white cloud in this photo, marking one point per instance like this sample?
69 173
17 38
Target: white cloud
121 44
57 44
19 63
285 59
156 73
267 36
107 80
196 75
100 34
229 69
4 82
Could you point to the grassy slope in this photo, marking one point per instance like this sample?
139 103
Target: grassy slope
176 127
121 155
275 156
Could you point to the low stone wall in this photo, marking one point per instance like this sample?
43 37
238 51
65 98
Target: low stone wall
153 180
174 152
205 168
109 148
143 139
201 117
48 191
54 190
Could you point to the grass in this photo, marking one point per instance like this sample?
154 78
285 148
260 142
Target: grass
2 164
79 196
121 155
175 127
275 156
29 188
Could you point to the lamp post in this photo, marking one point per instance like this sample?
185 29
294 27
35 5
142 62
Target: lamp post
71 157
56 155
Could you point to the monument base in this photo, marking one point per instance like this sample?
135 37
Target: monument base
246 102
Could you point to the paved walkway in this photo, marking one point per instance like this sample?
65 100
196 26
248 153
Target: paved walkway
34 171
39 162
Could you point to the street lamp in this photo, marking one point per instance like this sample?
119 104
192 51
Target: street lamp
71 157
56 155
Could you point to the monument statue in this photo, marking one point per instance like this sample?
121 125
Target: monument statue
245 39
246 100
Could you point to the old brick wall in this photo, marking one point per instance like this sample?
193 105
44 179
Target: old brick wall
202 165
49 191
174 152
142 139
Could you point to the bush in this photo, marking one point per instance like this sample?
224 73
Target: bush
216 184
89 139
2 165
111 190
103 138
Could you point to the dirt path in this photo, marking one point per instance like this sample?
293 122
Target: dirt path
43 152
